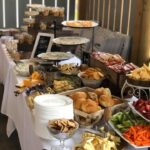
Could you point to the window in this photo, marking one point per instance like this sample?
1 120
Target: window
12 11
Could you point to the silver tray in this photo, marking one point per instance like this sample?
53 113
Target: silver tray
55 56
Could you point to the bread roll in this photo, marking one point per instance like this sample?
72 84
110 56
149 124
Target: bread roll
89 106
103 91
106 101
93 96
99 91
78 95
78 103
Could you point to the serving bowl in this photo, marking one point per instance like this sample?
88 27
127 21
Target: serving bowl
58 134
90 82
144 83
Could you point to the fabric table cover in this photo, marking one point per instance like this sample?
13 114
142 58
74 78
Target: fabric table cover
19 115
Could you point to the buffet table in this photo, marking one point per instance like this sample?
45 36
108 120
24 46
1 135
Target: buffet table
19 115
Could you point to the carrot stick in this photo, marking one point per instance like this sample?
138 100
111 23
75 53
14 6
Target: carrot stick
139 135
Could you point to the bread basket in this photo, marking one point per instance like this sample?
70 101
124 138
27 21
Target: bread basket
85 119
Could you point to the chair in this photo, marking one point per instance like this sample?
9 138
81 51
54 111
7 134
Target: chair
107 41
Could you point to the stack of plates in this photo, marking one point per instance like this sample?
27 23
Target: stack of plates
49 107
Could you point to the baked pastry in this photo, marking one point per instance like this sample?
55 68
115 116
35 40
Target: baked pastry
78 95
92 74
45 11
43 26
90 106
106 101
78 103
93 96
103 91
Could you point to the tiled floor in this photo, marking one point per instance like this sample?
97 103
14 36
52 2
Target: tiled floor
6 143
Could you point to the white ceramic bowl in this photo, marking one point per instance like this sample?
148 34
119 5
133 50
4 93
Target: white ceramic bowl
89 82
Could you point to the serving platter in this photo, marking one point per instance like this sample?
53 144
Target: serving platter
69 40
80 24
137 112
120 134
55 56
142 83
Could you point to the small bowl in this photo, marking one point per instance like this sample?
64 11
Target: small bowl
89 82
62 135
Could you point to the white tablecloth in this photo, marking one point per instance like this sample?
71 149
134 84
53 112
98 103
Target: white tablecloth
19 115
5 64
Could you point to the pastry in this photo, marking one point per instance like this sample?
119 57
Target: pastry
43 26
78 103
89 106
92 74
78 95
106 101
93 96
103 91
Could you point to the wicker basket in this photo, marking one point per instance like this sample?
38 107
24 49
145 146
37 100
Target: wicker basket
88 120
85 119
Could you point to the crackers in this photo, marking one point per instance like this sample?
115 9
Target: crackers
63 125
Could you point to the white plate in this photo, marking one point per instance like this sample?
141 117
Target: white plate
52 100
137 112
120 134
71 40
94 24
55 56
